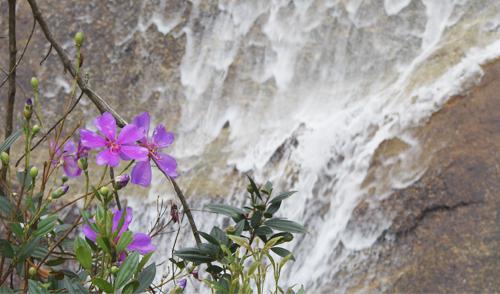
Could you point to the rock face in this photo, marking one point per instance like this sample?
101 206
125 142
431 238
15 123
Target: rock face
445 235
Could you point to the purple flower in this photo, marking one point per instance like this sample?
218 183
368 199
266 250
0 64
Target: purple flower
115 147
182 283
69 156
141 242
141 173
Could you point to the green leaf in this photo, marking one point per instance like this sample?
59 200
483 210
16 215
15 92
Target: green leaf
10 140
285 225
45 225
126 270
103 285
231 211
209 238
125 239
130 287
146 277
282 196
103 244
272 209
240 241
220 235
6 249
263 231
73 286
240 226
5 207
256 218
28 248
5 290
35 287
55 262
84 256
17 229
268 188
193 254
282 252
143 261
254 187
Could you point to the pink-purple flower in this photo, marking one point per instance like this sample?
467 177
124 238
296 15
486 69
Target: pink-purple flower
141 242
69 157
141 173
114 147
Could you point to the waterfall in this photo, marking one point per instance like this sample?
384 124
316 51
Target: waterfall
303 93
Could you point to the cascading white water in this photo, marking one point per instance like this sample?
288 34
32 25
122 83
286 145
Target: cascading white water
324 83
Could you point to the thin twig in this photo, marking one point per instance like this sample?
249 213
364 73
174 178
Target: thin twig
53 127
12 70
100 103
46 55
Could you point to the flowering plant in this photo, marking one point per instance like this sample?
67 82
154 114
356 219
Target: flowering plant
46 248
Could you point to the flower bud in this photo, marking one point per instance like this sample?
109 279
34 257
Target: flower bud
79 39
121 181
4 156
104 191
64 179
114 269
33 172
59 191
28 109
32 271
82 163
34 83
35 129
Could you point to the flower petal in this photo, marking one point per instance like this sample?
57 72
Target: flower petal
117 214
142 122
167 164
70 166
106 124
92 140
142 243
69 147
138 153
89 233
141 174
130 134
161 137
107 157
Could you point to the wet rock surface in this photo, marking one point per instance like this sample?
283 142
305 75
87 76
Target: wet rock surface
445 235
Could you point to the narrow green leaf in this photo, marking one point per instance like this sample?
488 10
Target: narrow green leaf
282 252
209 238
125 239
28 248
10 140
240 226
231 211
282 196
45 225
285 225
130 287
126 270
254 187
143 261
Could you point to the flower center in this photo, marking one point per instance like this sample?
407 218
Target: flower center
113 146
